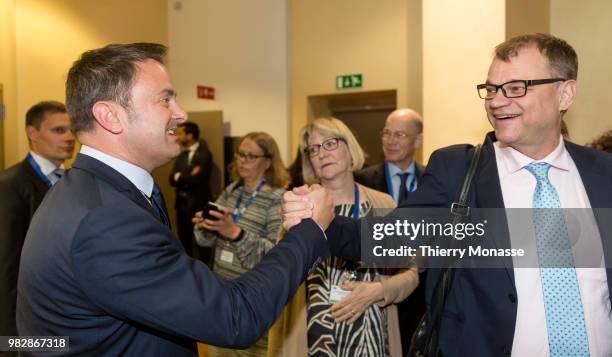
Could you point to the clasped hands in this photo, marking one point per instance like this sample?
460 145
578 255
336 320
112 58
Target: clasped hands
224 225
307 202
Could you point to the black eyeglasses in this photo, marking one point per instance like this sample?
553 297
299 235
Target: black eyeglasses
328 145
247 156
512 89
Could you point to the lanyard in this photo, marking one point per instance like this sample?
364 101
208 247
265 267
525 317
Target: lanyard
38 170
356 204
411 185
238 212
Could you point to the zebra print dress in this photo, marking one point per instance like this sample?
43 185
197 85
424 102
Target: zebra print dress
365 337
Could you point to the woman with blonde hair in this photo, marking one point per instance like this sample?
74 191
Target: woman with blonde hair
342 310
248 224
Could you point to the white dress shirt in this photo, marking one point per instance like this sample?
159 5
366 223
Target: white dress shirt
137 175
518 186
46 166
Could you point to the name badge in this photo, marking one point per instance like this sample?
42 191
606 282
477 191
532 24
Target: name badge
337 293
227 256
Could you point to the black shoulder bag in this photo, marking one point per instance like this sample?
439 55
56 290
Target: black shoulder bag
425 339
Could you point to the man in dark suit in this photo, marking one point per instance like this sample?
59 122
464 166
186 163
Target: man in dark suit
100 263
398 174
525 164
22 188
191 177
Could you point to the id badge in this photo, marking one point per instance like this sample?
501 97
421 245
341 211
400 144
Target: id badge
227 256
337 293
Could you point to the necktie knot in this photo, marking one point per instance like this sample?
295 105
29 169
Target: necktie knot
55 175
539 170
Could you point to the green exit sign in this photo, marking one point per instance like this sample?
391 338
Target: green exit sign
349 81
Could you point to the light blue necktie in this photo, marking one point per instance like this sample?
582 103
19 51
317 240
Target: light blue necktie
562 304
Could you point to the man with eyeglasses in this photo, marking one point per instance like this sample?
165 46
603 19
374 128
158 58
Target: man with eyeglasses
525 163
399 175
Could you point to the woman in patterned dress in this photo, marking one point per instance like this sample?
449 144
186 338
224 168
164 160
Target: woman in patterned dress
249 226
342 319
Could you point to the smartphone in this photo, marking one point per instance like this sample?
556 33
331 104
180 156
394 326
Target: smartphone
211 206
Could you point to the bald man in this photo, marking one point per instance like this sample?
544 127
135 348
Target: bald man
399 173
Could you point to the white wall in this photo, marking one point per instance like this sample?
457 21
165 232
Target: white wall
458 42
239 48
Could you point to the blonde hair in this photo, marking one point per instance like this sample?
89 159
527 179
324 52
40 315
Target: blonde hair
329 127
276 174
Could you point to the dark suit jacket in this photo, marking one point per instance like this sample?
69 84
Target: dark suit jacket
99 267
21 191
192 191
480 314
374 176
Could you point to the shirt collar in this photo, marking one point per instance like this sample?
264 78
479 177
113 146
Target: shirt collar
137 175
45 165
512 160
394 169
193 147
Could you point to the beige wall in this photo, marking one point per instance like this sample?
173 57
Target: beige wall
458 38
329 38
50 35
239 48
9 141
587 27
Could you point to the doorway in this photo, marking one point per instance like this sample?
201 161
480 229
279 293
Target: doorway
363 112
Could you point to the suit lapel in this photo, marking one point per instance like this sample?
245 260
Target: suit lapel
488 194
598 187
114 178
381 178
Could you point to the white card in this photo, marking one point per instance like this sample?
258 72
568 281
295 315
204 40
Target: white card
227 256
337 293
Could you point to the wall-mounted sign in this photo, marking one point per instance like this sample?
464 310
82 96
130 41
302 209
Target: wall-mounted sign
349 81
206 92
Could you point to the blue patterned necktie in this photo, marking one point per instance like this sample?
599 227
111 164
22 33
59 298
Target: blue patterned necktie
562 303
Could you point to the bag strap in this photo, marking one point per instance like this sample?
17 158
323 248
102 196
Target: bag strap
459 210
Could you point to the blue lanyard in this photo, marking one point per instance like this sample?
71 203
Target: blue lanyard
356 204
238 212
39 172
411 186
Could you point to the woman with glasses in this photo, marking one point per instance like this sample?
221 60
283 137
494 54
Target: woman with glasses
342 310
247 226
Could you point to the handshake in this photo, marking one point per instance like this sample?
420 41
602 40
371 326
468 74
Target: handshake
307 202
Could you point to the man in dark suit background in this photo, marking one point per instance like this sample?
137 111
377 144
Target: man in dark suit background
525 163
100 263
22 188
191 178
399 176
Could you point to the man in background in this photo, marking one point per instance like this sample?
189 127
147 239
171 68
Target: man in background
22 188
399 176
191 178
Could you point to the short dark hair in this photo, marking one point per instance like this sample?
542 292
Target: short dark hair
191 128
604 142
561 57
105 73
36 113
